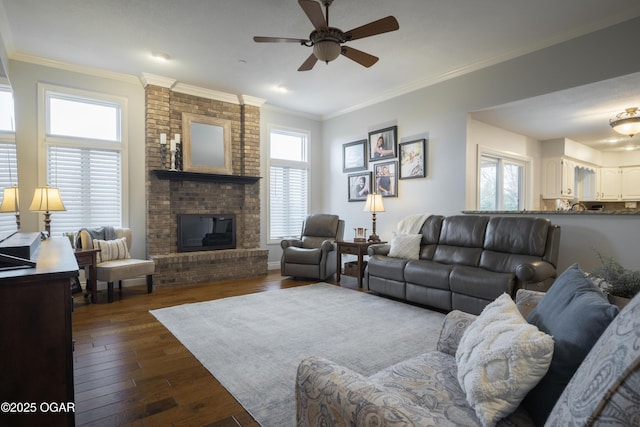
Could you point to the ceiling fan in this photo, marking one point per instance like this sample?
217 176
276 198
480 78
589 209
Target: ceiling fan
327 42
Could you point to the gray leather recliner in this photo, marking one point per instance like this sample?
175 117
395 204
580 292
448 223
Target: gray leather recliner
314 254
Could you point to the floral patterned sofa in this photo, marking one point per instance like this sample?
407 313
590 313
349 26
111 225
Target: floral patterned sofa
425 391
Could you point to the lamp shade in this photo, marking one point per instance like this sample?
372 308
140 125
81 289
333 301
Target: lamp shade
374 203
627 122
46 199
10 200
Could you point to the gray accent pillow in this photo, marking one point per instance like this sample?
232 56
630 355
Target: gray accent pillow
575 313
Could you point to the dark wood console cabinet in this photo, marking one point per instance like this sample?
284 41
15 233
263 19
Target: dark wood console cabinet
36 348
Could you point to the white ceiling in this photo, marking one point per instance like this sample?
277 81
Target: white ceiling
210 45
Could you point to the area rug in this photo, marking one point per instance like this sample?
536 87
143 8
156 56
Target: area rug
253 344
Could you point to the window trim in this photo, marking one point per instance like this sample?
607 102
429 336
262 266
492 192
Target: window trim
506 155
286 163
122 145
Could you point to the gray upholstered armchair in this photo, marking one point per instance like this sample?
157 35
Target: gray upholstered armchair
314 254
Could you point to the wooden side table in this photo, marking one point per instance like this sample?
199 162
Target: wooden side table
88 258
359 249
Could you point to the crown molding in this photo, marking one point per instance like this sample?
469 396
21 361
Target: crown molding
152 79
205 93
251 100
61 65
277 109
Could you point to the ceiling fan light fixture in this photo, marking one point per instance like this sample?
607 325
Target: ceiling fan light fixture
327 50
627 122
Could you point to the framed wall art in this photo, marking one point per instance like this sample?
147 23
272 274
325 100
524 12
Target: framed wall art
412 159
385 177
354 156
383 143
359 186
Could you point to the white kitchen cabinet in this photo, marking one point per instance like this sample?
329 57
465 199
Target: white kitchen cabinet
559 179
609 184
619 183
630 177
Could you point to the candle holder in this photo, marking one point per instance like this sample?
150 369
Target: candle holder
179 157
173 159
163 156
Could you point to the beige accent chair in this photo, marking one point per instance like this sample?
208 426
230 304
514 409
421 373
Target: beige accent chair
314 254
118 270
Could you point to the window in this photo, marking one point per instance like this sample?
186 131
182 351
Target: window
288 183
84 155
501 182
8 163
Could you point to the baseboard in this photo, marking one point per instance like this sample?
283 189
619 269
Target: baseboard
274 265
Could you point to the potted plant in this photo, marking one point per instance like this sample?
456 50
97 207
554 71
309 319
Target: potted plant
619 283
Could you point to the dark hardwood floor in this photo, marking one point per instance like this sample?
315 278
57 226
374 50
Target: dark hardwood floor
130 370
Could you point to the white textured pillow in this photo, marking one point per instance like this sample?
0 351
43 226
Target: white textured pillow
500 359
111 249
405 246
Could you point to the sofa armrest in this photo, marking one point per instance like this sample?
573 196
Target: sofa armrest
526 300
330 394
379 249
454 325
284 244
536 271
328 246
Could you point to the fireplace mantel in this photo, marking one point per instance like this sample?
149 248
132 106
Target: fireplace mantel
199 176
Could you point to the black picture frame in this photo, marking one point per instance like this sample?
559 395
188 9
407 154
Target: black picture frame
385 180
412 158
359 186
354 156
388 148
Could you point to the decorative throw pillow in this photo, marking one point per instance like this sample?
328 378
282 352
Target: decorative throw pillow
111 249
500 358
405 246
575 312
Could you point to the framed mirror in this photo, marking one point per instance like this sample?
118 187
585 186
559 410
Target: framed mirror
207 144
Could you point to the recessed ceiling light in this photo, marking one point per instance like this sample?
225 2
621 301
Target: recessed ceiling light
161 56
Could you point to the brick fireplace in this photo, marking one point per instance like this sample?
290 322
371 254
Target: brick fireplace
173 193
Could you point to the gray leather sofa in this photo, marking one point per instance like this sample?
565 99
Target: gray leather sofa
466 261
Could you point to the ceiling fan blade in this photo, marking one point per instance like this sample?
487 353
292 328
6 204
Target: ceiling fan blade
380 26
314 13
260 39
359 56
309 63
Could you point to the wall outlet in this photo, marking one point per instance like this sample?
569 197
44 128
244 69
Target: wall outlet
630 205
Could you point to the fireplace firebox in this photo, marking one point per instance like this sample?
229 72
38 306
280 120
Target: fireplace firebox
206 232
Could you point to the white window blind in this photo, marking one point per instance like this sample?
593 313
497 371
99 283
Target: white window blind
90 185
288 183
288 197
8 177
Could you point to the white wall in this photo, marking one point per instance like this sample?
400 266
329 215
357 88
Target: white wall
24 81
440 111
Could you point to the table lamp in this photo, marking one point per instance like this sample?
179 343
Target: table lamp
373 205
47 199
11 202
